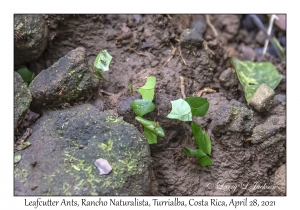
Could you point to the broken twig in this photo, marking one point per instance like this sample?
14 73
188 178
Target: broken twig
205 90
182 87
211 26
181 56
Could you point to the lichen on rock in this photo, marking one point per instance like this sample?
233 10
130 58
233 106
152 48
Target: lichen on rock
55 165
68 80
22 99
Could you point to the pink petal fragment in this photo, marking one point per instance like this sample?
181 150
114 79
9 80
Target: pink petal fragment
103 166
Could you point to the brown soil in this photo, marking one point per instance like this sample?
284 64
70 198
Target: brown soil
143 45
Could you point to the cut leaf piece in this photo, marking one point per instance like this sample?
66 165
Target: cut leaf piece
203 159
181 110
97 72
151 126
147 91
281 50
26 75
190 152
151 137
103 60
17 158
130 86
198 135
251 75
142 107
199 106
23 145
207 149
201 138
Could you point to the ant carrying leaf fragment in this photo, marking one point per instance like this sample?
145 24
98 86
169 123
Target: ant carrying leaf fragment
102 62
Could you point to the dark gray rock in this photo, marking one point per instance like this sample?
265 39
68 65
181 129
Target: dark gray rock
30 38
228 78
199 23
68 80
248 53
279 99
190 38
262 99
228 25
22 99
261 38
55 165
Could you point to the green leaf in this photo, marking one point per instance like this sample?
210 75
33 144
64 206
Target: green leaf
147 91
103 60
190 152
151 126
23 145
97 72
198 134
181 110
130 86
201 138
151 137
203 159
207 150
199 106
141 107
17 158
26 75
281 50
251 75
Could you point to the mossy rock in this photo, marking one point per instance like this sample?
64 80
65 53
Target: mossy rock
22 99
30 37
64 147
68 80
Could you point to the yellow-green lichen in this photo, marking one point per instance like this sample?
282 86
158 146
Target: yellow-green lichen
106 147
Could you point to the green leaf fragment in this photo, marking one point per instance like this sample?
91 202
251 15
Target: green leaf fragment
147 91
181 110
151 126
103 60
190 152
251 75
17 158
151 137
281 50
199 106
142 107
207 150
130 86
201 138
97 72
26 75
203 159
23 145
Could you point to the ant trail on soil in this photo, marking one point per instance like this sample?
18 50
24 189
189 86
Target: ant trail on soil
211 26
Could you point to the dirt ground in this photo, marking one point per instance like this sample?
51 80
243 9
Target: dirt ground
143 45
